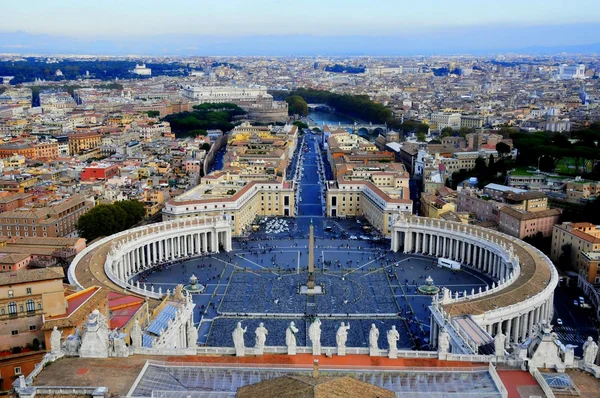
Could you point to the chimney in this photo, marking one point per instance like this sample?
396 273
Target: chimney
316 369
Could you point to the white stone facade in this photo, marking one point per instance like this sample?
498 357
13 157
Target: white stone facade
492 253
138 249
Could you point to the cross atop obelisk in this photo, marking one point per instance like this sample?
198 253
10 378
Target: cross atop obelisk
311 257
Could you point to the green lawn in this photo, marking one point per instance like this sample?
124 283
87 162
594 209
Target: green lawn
567 166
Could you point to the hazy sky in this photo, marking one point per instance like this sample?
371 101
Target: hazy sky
119 18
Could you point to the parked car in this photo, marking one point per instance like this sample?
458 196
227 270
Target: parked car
559 322
576 303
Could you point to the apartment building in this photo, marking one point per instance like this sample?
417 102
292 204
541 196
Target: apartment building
25 298
230 194
57 219
584 241
81 142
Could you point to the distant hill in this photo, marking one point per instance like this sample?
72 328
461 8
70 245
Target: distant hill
480 40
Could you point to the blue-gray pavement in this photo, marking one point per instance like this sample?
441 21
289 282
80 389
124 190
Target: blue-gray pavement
259 271
263 272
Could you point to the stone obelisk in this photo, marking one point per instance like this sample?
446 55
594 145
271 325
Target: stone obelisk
311 257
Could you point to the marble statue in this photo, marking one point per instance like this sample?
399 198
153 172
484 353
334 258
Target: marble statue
72 343
443 341
238 339
118 348
314 333
261 333
192 336
590 351
55 337
499 343
392 337
341 337
373 339
290 338
178 294
136 335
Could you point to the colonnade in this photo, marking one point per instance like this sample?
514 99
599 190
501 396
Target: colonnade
486 259
150 252
492 253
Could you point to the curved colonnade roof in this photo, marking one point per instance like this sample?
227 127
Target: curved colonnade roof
535 276
536 273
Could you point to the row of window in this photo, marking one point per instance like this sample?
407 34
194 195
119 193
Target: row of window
34 234
11 293
24 228
12 307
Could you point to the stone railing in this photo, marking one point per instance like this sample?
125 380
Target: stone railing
493 240
535 301
502 284
497 380
130 239
301 315
299 350
542 382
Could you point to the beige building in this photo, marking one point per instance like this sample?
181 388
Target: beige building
25 298
579 189
521 223
584 239
230 194
57 219
471 121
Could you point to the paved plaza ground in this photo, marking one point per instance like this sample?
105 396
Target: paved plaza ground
263 272
360 277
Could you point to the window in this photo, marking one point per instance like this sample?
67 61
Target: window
30 305
32 327
11 293
28 290
17 370
14 332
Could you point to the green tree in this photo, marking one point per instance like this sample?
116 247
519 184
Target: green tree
104 220
205 146
300 124
447 132
153 113
134 210
297 105
421 137
503 149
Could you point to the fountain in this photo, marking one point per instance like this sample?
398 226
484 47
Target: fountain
429 287
194 287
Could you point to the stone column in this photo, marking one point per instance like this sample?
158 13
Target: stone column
509 329
215 242
204 249
430 241
517 328
530 323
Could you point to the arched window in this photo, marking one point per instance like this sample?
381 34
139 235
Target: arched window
30 305
39 306
12 308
